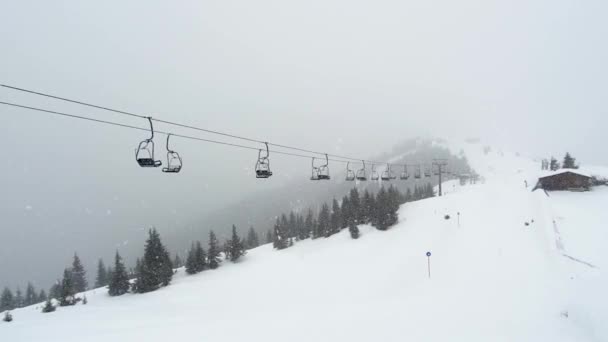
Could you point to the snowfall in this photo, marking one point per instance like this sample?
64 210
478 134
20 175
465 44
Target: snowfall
492 277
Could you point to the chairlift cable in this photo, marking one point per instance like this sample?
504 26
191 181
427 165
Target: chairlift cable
74 116
185 126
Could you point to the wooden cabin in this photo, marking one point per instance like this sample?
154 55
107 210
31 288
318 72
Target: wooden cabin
564 179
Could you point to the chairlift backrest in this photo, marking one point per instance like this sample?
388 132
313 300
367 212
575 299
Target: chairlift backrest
350 175
262 165
174 161
361 175
144 155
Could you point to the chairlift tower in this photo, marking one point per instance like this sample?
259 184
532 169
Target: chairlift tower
440 164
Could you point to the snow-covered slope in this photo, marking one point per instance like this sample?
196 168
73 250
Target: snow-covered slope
493 278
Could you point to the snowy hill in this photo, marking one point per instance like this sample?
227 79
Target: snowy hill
493 278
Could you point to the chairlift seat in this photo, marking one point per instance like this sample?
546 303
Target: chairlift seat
263 173
148 162
172 169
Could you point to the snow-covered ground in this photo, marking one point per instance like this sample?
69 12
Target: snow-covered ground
493 278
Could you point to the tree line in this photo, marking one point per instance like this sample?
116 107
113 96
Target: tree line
155 268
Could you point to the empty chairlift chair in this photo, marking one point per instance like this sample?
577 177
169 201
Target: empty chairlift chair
174 161
404 175
387 174
262 166
361 175
320 172
427 171
144 155
350 174
417 172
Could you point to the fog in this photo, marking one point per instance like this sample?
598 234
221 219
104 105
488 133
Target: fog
343 77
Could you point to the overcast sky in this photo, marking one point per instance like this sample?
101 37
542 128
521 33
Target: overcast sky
352 77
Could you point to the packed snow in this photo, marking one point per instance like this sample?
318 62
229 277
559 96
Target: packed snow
508 264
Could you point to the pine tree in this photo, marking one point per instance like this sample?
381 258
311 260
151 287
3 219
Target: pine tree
177 261
55 291
569 162
309 223
119 282
8 317
156 268
252 238
191 266
354 200
368 207
280 239
300 228
200 257
235 245
345 210
554 165
30 295
353 230
19 300
291 230
335 221
213 252
67 291
102 276
379 212
79 275
7 300
323 222
42 296
48 306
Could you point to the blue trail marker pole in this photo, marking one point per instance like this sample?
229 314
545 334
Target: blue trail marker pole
428 259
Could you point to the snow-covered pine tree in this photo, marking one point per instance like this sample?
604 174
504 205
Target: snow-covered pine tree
554 164
7 300
291 225
368 207
191 266
79 275
335 220
213 252
30 295
252 238
237 249
48 306
156 268
299 227
101 279
280 239
353 229
177 261
19 299
309 223
346 212
200 257
55 291
42 296
380 210
119 282
569 162
323 221
8 317
67 292
354 201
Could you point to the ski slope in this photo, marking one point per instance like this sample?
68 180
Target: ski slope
492 278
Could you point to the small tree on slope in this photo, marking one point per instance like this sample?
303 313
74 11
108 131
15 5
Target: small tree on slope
119 283
79 275
237 249
213 253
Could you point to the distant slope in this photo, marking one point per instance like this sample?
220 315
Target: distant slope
260 209
492 279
